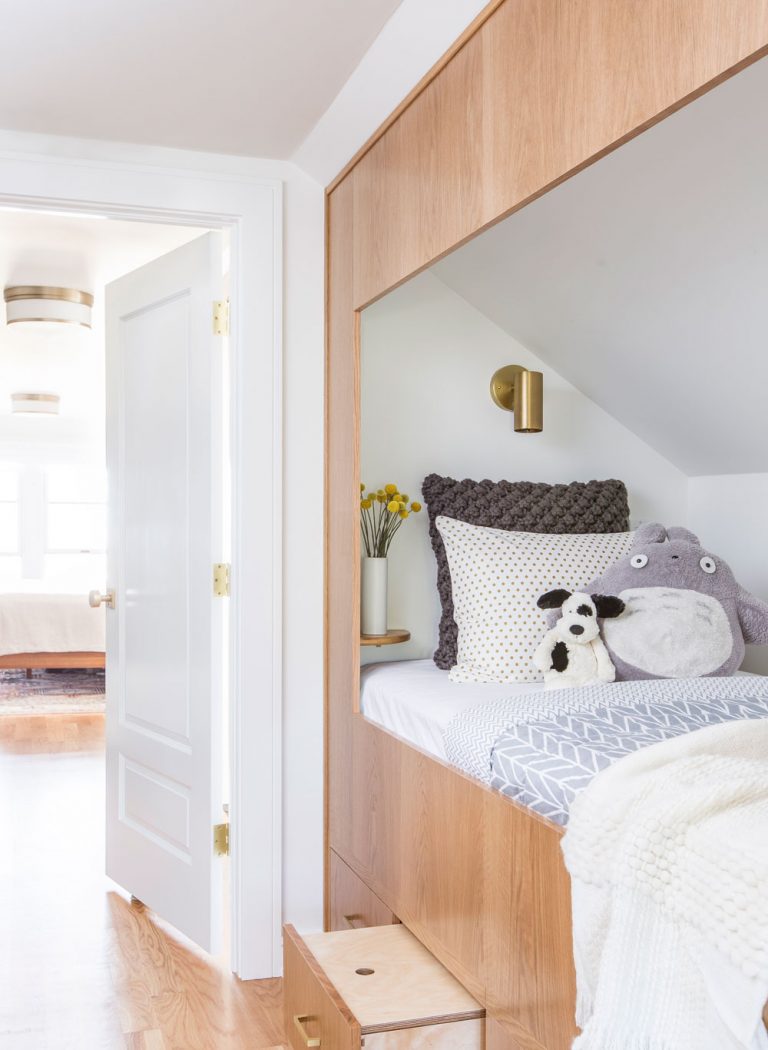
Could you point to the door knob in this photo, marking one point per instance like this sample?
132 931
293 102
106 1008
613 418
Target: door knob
96 598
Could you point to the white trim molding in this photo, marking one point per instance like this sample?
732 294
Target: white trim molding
172 186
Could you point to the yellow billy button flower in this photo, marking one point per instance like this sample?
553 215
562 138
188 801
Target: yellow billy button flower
362 486
403 513
390 489
371 496
415 507
404 497
393 506
366 504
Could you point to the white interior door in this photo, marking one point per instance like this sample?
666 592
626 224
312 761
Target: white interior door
164 634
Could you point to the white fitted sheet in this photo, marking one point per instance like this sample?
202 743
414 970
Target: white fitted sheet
416 700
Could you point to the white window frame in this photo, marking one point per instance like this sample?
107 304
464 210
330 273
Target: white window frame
68 503
17 502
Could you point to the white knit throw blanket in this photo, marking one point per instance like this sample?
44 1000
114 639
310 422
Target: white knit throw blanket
668 855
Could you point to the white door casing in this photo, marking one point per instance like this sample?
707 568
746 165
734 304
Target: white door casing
245 197
164 636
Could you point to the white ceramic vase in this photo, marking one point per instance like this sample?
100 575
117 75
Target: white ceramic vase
373 598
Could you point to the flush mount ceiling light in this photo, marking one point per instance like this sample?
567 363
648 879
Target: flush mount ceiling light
38 303
36 404
520 391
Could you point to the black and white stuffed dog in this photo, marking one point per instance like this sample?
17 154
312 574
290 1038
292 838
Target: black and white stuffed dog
573 653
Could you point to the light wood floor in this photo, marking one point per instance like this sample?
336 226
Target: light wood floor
81 968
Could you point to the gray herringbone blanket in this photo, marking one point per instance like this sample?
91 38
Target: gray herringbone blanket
542 749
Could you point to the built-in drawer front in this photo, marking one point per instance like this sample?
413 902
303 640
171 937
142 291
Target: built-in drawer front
352 904
377 988
315 1016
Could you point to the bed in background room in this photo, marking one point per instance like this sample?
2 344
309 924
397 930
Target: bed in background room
50 631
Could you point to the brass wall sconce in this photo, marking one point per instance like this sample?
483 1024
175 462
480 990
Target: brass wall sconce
518 390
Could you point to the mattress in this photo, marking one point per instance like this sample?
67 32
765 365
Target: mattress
416 700
50 623
542 747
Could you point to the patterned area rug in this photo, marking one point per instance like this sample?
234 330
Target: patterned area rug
48 692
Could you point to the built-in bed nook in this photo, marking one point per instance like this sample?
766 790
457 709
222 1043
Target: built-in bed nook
472 747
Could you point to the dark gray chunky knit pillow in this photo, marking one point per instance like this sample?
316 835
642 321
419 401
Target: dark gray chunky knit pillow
518 506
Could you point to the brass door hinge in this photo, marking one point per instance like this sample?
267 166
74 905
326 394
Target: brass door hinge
221 840
221 579
221 316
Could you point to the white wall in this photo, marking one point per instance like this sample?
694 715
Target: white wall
729 513
303 493
427 360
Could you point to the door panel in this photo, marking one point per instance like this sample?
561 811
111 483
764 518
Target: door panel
164 637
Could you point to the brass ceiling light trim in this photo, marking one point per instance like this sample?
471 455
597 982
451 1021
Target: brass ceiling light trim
35 404
519 390
47 291
47 304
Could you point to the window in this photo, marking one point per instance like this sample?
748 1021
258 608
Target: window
77 510
76 527
9 511
52 528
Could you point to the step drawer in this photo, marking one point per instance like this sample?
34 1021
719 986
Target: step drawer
352 904
376 987
315 1014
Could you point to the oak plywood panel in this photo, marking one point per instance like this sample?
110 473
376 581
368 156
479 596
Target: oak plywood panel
455 1035
566 81
342 512
352 903
419 189
311 998
407 986
529 972
414 836
478 879
538 92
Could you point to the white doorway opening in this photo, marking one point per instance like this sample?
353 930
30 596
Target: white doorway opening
250 209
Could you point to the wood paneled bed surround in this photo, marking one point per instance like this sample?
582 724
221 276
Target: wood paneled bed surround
534 91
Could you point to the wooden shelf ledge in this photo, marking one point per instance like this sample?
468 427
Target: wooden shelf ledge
393 637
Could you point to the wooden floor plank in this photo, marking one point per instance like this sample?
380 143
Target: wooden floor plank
82 966
148 1040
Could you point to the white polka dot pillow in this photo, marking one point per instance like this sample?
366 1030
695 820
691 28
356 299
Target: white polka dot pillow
496 579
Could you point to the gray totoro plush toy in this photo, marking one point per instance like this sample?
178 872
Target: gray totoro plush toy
685 617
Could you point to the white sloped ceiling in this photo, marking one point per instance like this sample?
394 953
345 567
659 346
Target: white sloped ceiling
644 280
248 77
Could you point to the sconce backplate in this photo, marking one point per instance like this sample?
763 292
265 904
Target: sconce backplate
503 386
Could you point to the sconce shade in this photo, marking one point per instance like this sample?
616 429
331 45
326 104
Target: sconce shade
521 391
46 304
36 404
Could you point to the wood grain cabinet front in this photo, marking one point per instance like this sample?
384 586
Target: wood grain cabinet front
352 904
376 988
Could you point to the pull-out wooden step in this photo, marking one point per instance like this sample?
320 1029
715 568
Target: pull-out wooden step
377 988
